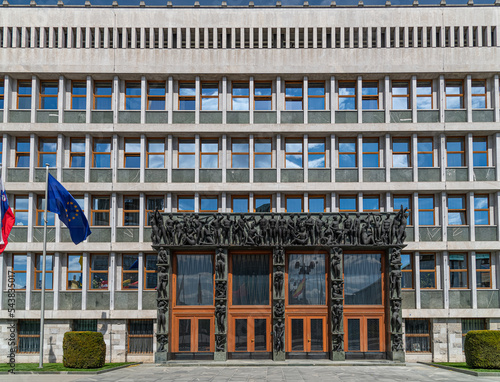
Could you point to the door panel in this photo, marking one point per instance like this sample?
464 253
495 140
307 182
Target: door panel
307 334
365 334
249 334
193 334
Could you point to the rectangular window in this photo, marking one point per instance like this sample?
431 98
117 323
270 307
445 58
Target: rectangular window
293 95
132 153
130 211
21 210
2 93
478 94
306 279
317 203
347 95
316 95
209 153
48 95
194 282
209 96
407 271
480 151
209 204
250 272
483 270
153 203
100 211
103 92
263 153
130 272
77 153
78 95
240 96
424 95
40 212
101 153
481 210
150 277
293 153
185 203
263 96
425 152
417 333
427 271
186 153
22 152
371 203
85 325
455 152
239 153
49 271
316 151
240 204
132 95
156 95
454 92
187 95
294 204
403 201
400 95
347 153
99 271
469 324
426 210
155 154
401 152
19 267
262 203
24 95
369 95
457 210
370 152
140 336
458 271
47 152
28 336
75 268
348 204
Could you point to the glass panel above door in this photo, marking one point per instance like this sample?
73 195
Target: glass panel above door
250 279
306 279
363 279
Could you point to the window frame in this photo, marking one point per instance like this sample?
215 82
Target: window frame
17 271
193 153
293 153
458 95
149 271
423 140
462 152
420 335
42 96
133 271
407 153
95 141
73 95
347 196
480 94
462 210
40 211
370 97
309 96
431 95
409 209
487 209
371 140
428 270
372 197
240 153
71 272
22 154
126 96
295 196
2 94
73 154
93 211
355 152
187 196
92 272
484 270
205 97
294 98
148 153
464 334
258 98
460 270
95 96
233 197
209 153
42 140
131 154
259 196
150 97
213 197
181 98
480 151
20 335
20 84
239 96
412 268
407 95
342 85
427 209
147 211
132 336
316 140
269 153
316 196
36 271
126 211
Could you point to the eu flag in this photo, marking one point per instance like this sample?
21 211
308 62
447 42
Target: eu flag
62 203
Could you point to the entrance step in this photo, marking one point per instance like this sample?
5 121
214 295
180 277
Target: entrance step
267 363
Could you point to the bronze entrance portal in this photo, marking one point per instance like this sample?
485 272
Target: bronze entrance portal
278 286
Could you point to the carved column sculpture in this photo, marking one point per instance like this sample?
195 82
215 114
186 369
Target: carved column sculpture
395 306
278 304
163 301
337 304
220 353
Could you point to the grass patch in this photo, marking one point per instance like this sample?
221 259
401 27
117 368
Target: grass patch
56 367
463 365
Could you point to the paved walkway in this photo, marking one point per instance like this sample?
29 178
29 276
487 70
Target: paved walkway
152 373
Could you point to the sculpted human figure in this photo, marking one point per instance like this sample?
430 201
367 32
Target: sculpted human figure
220 315
162 281
273 229
155 231
348 228
337 342
278 281
161 226
279 309
301 237
386 230
279 329
309 225
337 310
318 229
162 341
336 266
337 290
170 228
163 256
279 255
162 320
220 264
265 233
225 229
396 321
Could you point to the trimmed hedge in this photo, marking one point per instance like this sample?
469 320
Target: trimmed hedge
482 349
83 350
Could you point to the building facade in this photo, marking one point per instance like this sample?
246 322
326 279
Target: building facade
251 110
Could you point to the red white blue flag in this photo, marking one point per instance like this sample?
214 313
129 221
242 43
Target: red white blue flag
7 217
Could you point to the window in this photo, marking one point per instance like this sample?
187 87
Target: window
21 210
240 96
40 212
85 325
407 271
348 203
130 211
240 204
417 333
263 96
239 153
132 153
185 203
1 151
2 92
481 210
455 152
306 279
156 95
209 204
370 152
75 268
130 272
478 95
347 95
194 283
28 336
317 203
153 203
132 95
424 95
100 211
101 153
403 201
103 91
456 210
140 336
293 95
48 95
187 95
24 95
469 324
209 96
293 152
480 151
99 271
400 95
401 152
150 277
262 153
22 152
426 210
316 151
250 272
77 153
454 94
78 95
294 204
47 152
427 271
458 270
347 153
316 96
369 95
425 152
155 154
483 270
209 153
186 153
49 271
19 266
371 203
262 203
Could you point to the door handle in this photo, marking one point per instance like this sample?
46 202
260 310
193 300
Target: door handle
308 340
252 340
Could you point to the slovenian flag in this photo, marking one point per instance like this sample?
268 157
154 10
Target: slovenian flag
7 220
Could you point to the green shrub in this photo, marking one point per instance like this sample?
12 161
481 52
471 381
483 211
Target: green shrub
482 349
83 350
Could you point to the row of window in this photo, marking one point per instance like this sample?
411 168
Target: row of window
294 93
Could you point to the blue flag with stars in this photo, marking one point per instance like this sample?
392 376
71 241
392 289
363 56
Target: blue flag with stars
62 203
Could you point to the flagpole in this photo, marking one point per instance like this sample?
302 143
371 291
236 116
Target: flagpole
42 304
